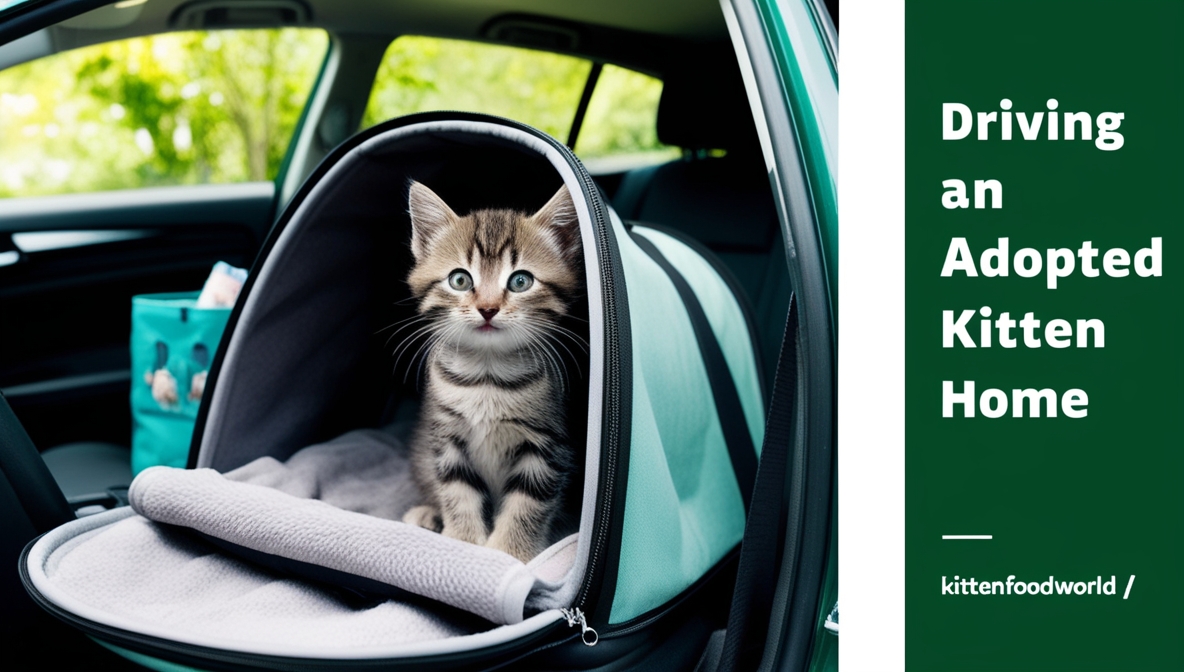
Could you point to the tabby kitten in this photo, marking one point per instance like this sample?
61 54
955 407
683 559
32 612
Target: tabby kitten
490 452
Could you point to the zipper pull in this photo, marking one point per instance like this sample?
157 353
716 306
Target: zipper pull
576 617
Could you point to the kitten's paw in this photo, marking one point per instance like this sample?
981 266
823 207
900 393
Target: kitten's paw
470 533
427 517
514 545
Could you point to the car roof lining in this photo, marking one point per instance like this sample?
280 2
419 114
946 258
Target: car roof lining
645 36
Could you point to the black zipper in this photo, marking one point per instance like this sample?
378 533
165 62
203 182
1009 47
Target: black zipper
612 382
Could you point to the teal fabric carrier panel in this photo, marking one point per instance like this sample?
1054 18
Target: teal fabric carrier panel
171 340
683 507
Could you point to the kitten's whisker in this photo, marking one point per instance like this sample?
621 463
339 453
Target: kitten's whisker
450 331
406 346
410 338
558 367
523 341
409 341
398 322
426 343
576 338
554 337
558 358
413 316
405 326
549 340
541 347
396 332
520 345
538 337
426 350
569 352
545 362
411 364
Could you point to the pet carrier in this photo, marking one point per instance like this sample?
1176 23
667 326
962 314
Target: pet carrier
280 546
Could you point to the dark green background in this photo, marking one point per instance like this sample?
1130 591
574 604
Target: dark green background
1071 498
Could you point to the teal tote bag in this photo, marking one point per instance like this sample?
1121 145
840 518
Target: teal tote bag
172 345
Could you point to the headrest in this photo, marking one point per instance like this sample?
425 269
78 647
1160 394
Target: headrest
704 106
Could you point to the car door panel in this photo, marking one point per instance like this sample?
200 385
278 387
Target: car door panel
65 298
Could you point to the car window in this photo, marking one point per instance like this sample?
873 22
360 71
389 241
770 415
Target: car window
420 74
620 130
542 89
181 108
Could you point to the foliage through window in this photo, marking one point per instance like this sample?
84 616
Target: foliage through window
419 74
542 89
173 109
620 129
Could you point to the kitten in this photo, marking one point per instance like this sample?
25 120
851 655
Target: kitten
490 452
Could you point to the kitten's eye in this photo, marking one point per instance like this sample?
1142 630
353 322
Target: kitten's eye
460 281
520 281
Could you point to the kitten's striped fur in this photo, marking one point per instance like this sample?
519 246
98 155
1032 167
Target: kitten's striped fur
490 452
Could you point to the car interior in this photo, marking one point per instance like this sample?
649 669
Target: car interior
70 263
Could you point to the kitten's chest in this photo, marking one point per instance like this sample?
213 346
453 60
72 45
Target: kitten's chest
492 419
493 435
485 408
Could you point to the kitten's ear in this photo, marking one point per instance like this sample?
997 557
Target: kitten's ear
559 215
430 216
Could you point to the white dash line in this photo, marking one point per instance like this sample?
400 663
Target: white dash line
968 536
1129 583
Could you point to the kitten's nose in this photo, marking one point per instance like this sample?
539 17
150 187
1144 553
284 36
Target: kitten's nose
487 313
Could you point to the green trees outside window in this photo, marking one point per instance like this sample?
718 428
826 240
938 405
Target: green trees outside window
620 130
420 74
172 109
219 107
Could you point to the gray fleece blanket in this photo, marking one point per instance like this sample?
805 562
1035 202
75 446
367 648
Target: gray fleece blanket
334 505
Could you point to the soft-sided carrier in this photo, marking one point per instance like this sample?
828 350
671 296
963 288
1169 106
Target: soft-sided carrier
281 545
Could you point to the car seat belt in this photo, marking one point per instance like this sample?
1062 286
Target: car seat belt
741 645
723 387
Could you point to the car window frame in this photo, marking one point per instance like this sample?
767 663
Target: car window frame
801 176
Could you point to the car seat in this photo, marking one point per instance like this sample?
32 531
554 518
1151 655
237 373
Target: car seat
723 202
87 471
